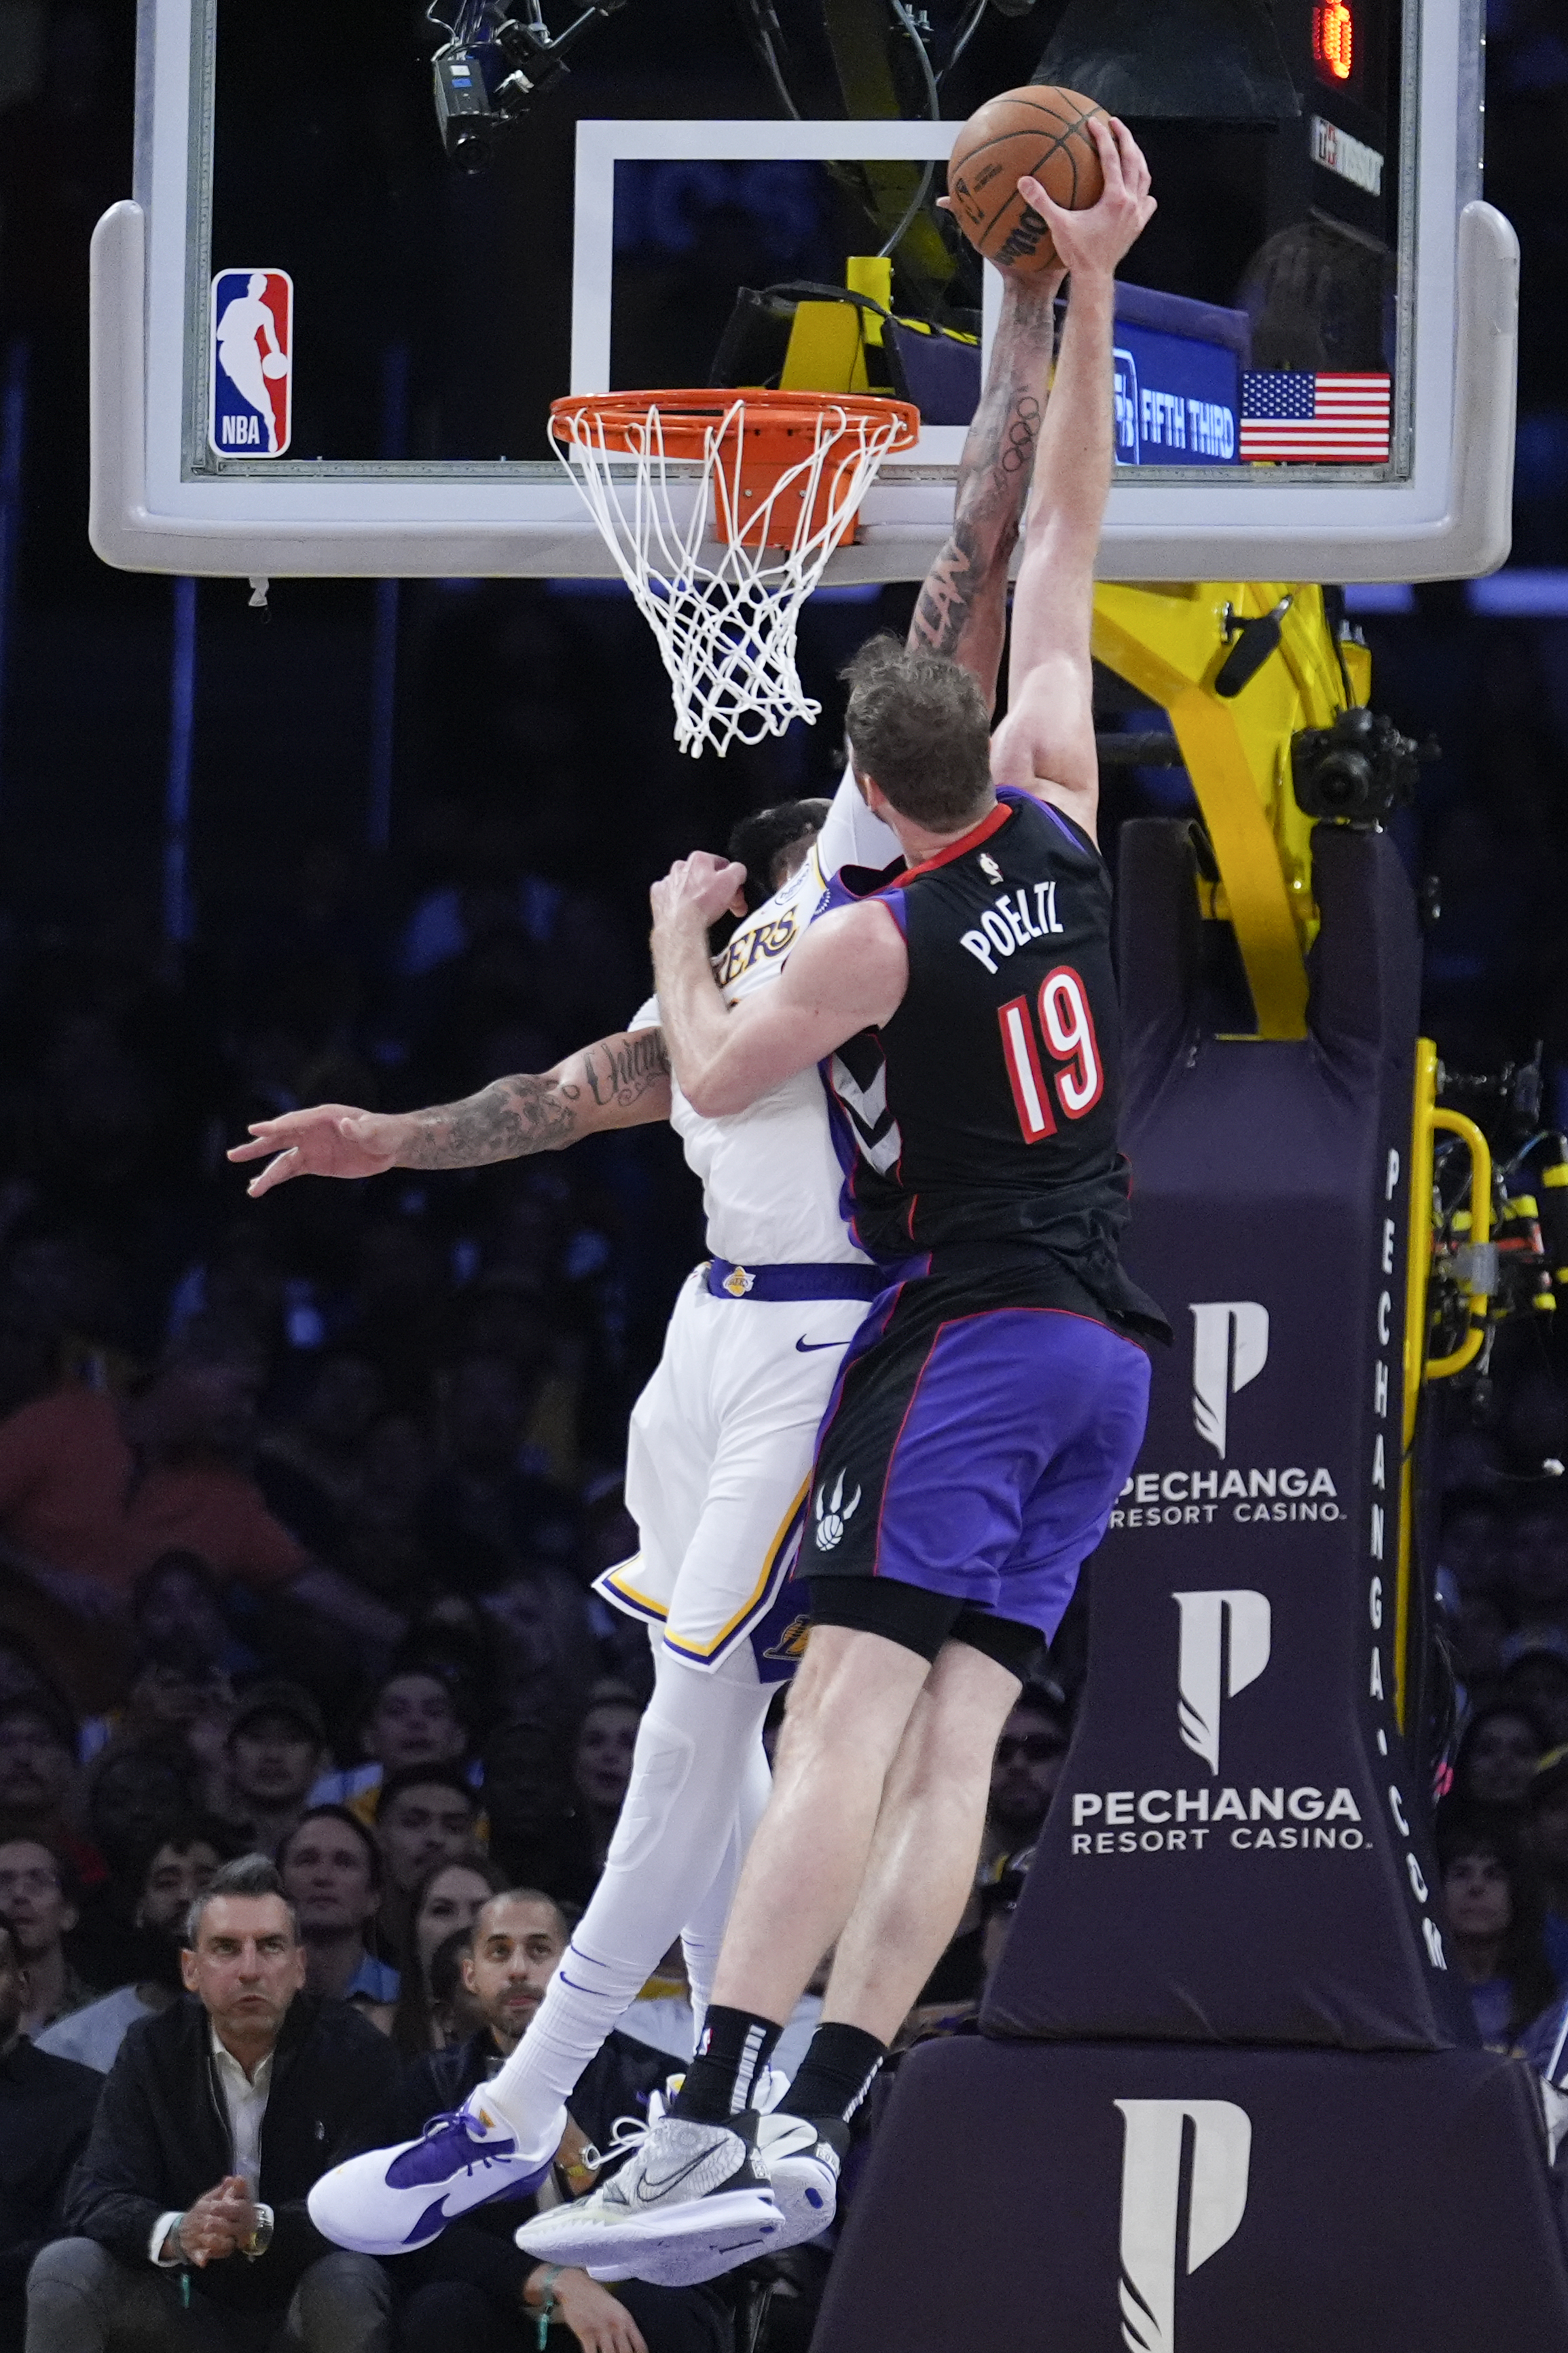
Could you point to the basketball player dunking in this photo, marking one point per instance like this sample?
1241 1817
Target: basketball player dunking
721 1445
992 1406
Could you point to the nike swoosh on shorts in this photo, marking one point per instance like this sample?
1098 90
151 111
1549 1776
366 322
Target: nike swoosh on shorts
807 1346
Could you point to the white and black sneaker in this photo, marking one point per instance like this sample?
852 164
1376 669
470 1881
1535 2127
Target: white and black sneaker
689 2202
801 2158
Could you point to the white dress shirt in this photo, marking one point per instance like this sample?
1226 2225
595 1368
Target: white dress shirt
245 2098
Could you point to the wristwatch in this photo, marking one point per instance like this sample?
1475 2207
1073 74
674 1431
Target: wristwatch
260 2238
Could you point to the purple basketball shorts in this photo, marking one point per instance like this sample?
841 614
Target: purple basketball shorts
974 1450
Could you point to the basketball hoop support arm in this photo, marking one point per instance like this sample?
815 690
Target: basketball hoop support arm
1171 643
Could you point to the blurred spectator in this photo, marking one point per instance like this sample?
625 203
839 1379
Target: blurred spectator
46 2112
454 2012
546 1645
412 1720
176 1600
134 1795
93 1488
1470 1544
277 1744
36 1898
528 1804
1537 1566
1498 1752
312 1471
332 1871
425 1815
39 1785
474 2286
382 1548
485 1517
1494 1921
443 1904
1025 1773
96 1487
1546 1823
172 2179
179 1705
175 1875
1535 1674
601 1768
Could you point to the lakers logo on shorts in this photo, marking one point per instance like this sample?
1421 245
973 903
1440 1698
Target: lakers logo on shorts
791 1643
832 1511
737 1282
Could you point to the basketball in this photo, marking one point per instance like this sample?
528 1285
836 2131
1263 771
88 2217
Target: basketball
1041 131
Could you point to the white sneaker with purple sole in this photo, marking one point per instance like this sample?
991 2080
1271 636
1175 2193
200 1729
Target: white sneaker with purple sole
391 2200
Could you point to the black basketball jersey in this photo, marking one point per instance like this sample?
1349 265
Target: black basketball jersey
986 1110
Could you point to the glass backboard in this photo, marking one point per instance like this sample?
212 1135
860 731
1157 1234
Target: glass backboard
319 347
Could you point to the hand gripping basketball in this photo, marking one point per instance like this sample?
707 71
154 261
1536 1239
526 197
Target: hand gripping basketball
1097 238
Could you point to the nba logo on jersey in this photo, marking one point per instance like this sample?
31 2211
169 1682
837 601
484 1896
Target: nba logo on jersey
252 407
1125 369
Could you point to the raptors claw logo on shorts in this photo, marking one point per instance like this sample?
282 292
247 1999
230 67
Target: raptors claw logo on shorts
832 1511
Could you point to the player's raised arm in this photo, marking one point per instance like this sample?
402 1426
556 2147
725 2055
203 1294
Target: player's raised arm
963 608
619 1081
1047 741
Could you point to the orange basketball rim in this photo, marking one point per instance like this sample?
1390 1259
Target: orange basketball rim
781 463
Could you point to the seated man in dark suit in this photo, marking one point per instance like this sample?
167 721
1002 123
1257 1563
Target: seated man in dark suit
187 2210
474 2287
46 2113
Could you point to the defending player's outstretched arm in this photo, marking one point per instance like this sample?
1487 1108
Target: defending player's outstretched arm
962 606
1046 743
619 1081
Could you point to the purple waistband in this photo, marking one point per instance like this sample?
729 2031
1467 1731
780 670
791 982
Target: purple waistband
727 1281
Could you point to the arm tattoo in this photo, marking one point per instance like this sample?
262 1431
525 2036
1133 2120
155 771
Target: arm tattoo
514 1117
621 1073
989 501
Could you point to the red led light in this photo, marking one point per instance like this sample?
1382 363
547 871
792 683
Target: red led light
1333 37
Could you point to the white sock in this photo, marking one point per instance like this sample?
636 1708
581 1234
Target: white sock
681 1817
704 1931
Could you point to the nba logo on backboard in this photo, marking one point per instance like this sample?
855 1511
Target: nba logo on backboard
1128 451
252 406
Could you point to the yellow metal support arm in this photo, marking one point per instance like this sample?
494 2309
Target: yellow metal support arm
1171 643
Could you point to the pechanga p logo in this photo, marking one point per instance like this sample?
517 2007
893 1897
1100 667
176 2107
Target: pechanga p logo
1209 1670
1150 2203
1230 1347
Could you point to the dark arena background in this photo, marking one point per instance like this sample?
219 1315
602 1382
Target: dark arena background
1249 2036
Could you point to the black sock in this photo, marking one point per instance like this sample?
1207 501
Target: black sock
736 2045
836 2074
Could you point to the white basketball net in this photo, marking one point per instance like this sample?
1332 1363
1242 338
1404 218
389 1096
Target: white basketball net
725 615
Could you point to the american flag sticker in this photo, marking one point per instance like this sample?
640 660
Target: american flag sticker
1332 420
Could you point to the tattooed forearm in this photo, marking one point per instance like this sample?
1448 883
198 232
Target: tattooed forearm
620 1071
962 610
505 1121
609 1085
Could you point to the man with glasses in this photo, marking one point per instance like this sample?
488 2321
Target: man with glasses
34 1893
1025 1771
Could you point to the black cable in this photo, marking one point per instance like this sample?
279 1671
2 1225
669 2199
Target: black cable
933 105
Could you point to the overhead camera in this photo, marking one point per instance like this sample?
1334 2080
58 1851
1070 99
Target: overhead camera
493 68
1358 770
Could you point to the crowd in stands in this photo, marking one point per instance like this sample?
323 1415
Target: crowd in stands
301 1504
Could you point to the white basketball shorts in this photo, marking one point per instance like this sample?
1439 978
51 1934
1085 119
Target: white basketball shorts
717 1466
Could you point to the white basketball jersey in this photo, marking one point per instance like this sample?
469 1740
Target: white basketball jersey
769 1176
